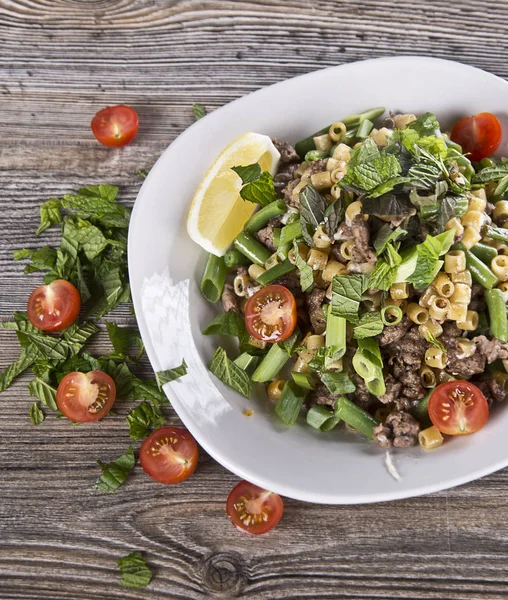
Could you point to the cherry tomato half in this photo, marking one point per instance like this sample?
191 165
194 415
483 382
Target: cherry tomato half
115 126
253 509
458 408
84 397
55 306
270 314
479 135
169 455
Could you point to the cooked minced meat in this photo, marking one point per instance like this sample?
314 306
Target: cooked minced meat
291 199
362 397
284 175
361 251
321 397
394 333
265 235
287 153
491 349
314 303
409 349
493 391
230 301
400 430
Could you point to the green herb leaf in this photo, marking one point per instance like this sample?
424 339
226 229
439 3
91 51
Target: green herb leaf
144 417
123 338
41 259
249 173
347 291
338 383
385 236
370 325
44 392
426 124
306 272
228 323
97 204
115 473
450 206
491 174
163 377
383 276
26 359
428 262
199 111
312 212
433 340
429 199
135 572
147 389
36 414
50 214
333 217
229 373
386 205
290 344
261 191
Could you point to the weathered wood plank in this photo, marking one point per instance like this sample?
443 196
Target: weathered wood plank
59 63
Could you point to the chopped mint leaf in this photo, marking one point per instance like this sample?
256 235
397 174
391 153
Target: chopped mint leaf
428 262
306 272
333 217
44 392
347 291
199 111
230 373
115 473
36 414
228 323
426 124
123 338
50 214
144 417
163 377
260 191
135 572
385 236
249 173
387 204
370 325
489 174
26 359
312 212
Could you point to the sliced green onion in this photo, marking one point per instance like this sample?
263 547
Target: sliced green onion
335 336
214 278
355 416
391 315
276 236
322 418
290 402
275 272
291 232
247 362
364 129
303 380
271 364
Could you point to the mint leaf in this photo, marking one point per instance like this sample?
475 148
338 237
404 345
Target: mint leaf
450 206
370 325
347 291
41 259
135 572
147 389
428 199
306 272
26 359
88 237
338 383
312 212
115 473
428 263
426 124
103 191
36 414
489 174
369 175
50 214
123 338
383 276
97 204
144 417
228 323
260 191
386 205
248 173
163 377
44 392
199 111
385 236
333 217
290 344
229 373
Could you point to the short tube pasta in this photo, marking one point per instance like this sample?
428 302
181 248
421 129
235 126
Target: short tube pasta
461 294
455 262
336 131
435 357
474 219
342 152
427 377
471 237
427 296
418 314
439 308
430 438
463 277
353 210
321 239
444 286
430 328
471 321
346 249
478 200
241 282
333 268
317 260
322 180
399 291
466 348
456 225
274 389
499 266
323 142
500 213
457 312
314 342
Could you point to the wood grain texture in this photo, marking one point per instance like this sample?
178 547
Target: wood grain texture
60 61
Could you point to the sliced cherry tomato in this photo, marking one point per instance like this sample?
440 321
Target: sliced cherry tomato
169 455
479 135
84 397
253 509
270 314
115 126
458 408
55 306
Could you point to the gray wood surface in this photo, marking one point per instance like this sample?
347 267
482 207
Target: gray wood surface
60 61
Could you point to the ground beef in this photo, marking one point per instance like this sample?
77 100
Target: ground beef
400 430
314 303
462 367
321 397
316 166
493 391
337 255
287 194
489 209
394 333
265 235
361 252
362 397
477 299
344 232
290 280
285 174
230 301
450 332
491 349
393 390
412 387
287 152
408 349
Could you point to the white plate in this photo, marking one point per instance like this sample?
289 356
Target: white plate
166 266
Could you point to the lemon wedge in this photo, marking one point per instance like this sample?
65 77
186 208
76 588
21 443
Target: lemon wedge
218 213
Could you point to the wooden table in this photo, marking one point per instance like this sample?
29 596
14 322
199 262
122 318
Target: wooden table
61 61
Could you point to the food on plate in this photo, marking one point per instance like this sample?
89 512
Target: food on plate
54 306
169 455
252 509
370 286
115 126
84 397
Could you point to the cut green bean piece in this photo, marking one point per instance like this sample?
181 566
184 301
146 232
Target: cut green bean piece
247 362
364 129
290 402
276 236
291 232
355 417
260 218
497 314
479 271
271 364
484 253
279 270
304 380
497 233
322 418
214 278
234 258
315 155
421 411
252 249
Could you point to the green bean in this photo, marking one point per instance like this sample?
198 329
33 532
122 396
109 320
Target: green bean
251 248
421 411
484 253
290 402
316 155
276 236
291 232
214 278
479 271
321 418
497 313
364 129
355 417
279 270
260 218
497 233
234 258
351 122
271 364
